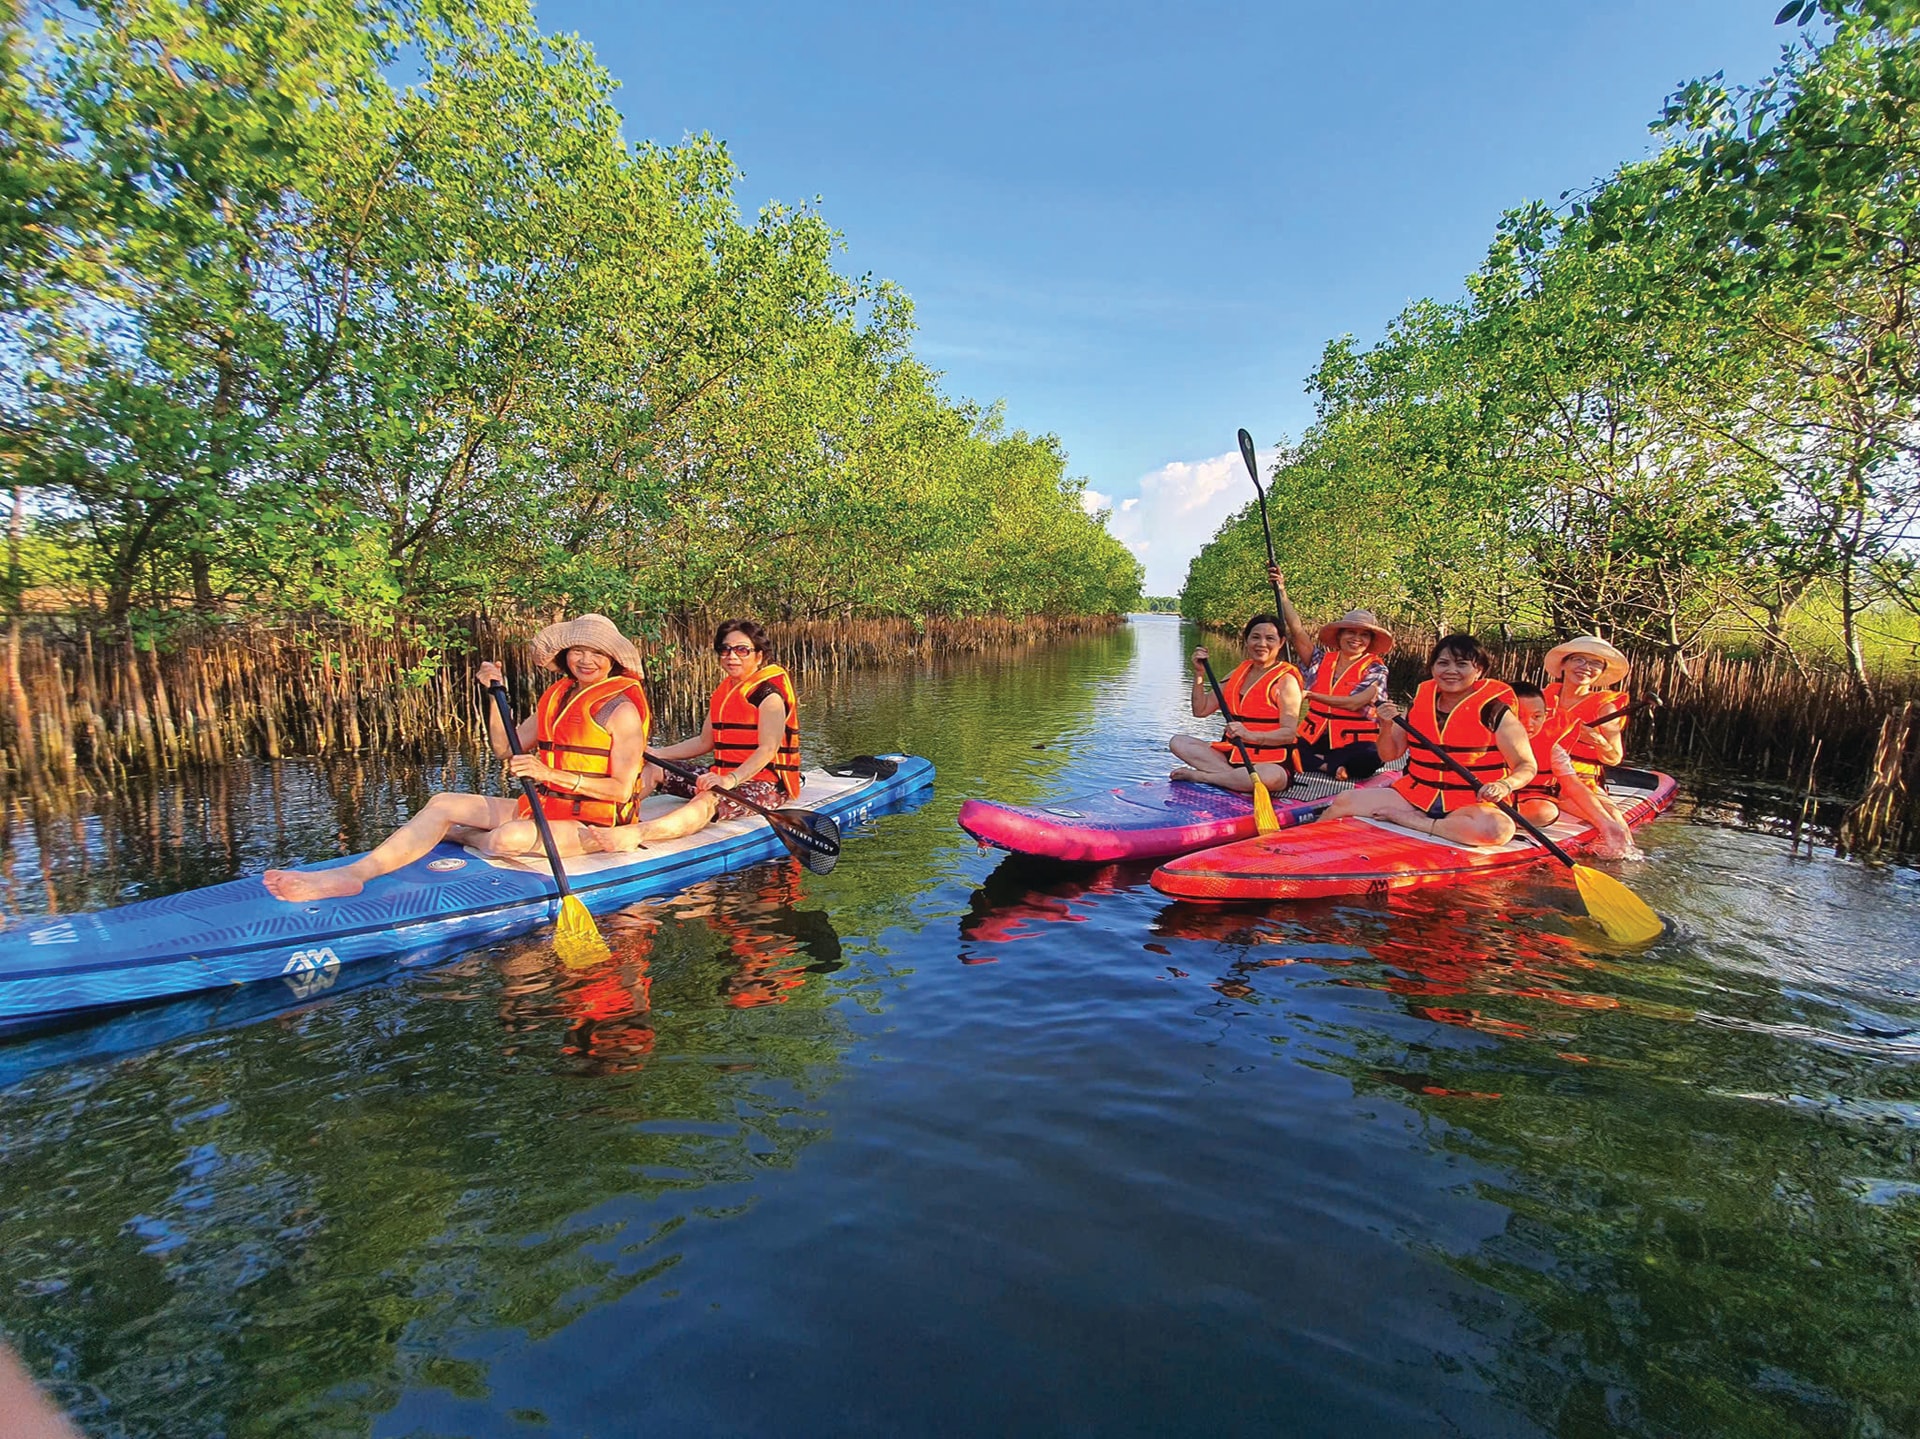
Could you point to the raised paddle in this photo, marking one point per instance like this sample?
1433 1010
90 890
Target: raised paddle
1253 470
1616 909
576 938
813 839
1265 821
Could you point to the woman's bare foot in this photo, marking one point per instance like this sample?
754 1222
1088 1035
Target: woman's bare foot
294 885
609 839
1185 774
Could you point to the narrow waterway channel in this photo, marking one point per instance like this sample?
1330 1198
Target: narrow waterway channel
945 1142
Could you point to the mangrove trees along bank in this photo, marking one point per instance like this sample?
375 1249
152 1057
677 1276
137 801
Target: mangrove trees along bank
365 309
1679 409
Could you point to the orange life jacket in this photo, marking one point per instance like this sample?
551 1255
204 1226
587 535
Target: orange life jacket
1341 727
1464 736
1544 784
569 738
736 728
1259 709
1588 709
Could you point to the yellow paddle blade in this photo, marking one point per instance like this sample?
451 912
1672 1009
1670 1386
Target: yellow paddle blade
1625 916
576 939
1264 819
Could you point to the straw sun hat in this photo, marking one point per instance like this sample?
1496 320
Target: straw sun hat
1616 663
1382 641
594 632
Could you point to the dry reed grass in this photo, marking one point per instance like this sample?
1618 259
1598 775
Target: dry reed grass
82 712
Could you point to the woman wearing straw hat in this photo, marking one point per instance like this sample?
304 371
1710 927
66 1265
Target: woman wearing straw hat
587 739
1346 675
1584 672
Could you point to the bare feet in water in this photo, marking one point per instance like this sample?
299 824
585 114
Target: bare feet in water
294 885
1615 849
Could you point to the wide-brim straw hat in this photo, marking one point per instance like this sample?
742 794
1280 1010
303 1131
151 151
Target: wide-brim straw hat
1616 663
594 632
1382 643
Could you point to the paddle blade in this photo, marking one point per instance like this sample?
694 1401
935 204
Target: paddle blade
1253 460
1626 918
1264 819
576 939
811 838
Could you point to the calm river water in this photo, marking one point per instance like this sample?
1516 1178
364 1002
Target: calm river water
946 1143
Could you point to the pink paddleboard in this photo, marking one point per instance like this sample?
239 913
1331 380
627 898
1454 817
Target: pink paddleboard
1142 821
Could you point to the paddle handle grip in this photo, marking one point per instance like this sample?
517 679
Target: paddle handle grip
1220 698
498 692
674 767
1252 459
1511 811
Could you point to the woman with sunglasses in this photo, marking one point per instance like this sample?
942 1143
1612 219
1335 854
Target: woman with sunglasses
752 731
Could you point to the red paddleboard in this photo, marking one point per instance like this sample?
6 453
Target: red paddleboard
1364 856
1141 821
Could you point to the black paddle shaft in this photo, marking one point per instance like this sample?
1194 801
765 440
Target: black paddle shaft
1266 530
1510 810
531 790
1220 698
783 825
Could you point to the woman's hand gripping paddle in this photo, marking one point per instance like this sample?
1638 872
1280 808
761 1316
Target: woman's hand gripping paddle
1265 821
1279 610
1624 916
813 839
576 938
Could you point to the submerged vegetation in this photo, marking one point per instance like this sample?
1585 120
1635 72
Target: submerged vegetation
366 312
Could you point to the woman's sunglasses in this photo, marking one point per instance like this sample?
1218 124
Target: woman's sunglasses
736 649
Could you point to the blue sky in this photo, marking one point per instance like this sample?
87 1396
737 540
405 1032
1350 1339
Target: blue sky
1137 225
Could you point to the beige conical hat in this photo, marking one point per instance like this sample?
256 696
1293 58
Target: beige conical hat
1616 663
594 632
1382 645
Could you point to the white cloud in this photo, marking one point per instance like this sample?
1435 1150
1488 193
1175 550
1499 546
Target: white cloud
1179 507
1092 501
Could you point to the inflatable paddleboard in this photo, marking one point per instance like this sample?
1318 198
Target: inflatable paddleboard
1364 856
451 899
1141 821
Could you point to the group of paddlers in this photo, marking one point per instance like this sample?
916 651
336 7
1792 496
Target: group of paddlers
1543 750
584 747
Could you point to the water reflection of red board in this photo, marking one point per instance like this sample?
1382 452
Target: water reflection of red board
1357 856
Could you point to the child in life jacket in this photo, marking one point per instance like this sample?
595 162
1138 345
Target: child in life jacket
1558 785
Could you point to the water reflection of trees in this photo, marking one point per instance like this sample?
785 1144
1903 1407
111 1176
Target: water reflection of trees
284 1227
1712 1182
1704 1237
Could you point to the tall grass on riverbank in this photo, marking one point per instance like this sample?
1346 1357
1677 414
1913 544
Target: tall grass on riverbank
80 712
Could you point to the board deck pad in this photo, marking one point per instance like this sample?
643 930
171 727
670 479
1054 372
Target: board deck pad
451 899
1142 821
1365 856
